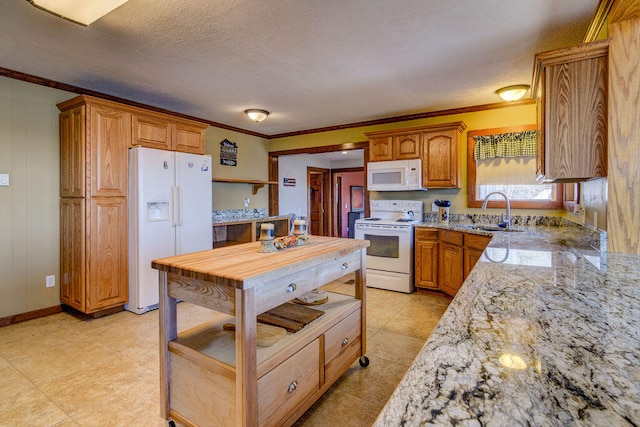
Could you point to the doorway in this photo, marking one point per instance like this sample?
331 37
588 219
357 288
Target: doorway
318 186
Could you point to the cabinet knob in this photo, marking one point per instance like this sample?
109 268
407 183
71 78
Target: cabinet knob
344 266
291 287
345 341
292 387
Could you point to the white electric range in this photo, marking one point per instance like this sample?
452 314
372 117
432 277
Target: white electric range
390 233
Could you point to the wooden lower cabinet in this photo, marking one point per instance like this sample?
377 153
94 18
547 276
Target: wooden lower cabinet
426 258
474 246
93 253
444 258
451 268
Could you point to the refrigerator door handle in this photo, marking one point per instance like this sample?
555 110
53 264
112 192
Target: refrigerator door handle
173 203
179 205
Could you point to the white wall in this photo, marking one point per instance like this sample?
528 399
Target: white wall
294 199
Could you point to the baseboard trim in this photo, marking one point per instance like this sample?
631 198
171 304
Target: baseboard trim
23 317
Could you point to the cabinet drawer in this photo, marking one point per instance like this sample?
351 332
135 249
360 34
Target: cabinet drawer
341 342
476 242
452 237
426 234
283 289
288 384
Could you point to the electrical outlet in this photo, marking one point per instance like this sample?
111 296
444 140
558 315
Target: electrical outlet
246 202
50 281
4 179
434 207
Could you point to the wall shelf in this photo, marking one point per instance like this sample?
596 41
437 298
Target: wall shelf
256 183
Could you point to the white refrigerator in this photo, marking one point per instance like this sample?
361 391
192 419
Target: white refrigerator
169 214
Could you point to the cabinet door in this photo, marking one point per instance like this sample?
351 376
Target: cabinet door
72 253
107 275
426 259
451 268
108 136
576 119
187 138
406 146
471 257
380 149
152 131
72 151
440 160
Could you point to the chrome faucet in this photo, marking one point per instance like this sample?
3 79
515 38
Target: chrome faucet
508 220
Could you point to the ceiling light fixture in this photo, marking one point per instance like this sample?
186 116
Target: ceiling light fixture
82 12
512 93
256 115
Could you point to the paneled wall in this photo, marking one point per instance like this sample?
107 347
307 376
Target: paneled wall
29 207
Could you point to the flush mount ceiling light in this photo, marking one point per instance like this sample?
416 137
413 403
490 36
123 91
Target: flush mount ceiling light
82 12
256 115
512 93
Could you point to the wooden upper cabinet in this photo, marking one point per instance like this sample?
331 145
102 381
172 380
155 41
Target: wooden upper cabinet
188 137
380 148
394 147
436 145
108 133
72 152
570 87
406 146
151 130
155 130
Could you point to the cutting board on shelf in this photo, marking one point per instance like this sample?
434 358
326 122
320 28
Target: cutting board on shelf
290 316
266 335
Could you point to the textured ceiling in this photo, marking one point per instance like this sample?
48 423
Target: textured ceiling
311 63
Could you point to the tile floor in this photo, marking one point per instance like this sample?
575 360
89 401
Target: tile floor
64 371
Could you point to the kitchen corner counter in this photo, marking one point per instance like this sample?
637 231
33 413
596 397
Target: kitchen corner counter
544 331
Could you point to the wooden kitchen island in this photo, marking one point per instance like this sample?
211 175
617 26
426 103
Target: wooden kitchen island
211 376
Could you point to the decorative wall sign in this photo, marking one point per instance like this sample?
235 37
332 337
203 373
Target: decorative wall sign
289 182
228 153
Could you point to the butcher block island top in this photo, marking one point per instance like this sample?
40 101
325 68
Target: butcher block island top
210 375
243 267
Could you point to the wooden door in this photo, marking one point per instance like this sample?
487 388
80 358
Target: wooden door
316 214
318 203
72 253
451 268
108 137
107 275
380 149
72 152
426 258
439 160
406 146
187 138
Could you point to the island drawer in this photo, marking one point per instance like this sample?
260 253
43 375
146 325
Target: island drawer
341 342
283 388
278 291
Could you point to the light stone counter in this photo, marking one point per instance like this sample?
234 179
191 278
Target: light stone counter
544 331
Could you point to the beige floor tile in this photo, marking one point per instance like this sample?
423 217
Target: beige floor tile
67 370
394 347
337 408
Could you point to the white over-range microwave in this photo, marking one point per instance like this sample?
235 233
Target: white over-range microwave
395 175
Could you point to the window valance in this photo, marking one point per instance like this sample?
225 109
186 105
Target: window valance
513 144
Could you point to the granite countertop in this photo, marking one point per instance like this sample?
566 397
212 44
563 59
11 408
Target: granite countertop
544 331
225 221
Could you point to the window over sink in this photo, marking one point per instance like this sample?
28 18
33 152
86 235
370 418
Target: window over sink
508 170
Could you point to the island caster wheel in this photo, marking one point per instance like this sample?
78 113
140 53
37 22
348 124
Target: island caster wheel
172 423
364 361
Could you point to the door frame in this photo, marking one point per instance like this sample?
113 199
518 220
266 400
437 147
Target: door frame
326 197
347 146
